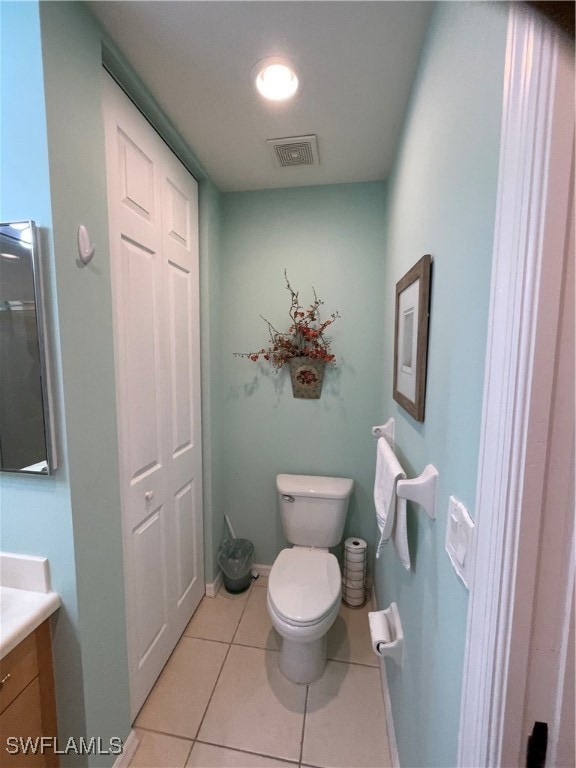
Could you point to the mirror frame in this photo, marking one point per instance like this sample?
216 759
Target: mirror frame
36 261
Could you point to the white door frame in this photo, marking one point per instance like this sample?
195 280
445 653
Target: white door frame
534 172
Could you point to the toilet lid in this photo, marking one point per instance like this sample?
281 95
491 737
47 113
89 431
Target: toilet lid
304 584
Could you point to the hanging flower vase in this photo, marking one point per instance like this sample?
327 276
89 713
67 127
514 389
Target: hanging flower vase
307 375
304 346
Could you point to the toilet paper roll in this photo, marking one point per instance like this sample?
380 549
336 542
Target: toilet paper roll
354 579
354 571
354 575
379 631
355 557
356 593
355 601
355 545
355 587
347 581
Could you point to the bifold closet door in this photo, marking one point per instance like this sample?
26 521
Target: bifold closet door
153 220
182 333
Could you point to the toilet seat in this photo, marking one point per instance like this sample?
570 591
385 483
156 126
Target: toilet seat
304 585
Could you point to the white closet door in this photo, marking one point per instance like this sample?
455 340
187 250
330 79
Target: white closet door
183 447
154 257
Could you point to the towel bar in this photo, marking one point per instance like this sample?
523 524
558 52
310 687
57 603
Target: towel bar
422 489
386 430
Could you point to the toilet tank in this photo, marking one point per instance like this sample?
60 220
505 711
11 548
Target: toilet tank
313 509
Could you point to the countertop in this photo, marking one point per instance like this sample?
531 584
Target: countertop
21 612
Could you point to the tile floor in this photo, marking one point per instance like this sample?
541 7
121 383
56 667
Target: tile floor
222 702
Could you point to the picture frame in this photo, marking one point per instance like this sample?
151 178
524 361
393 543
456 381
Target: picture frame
411 338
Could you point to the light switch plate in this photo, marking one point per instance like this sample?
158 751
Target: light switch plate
460 539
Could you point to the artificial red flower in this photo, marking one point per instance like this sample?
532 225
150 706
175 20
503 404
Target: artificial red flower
304 337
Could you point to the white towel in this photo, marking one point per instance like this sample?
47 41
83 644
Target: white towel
390 510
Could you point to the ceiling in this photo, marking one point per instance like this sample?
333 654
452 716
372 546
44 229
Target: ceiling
357 61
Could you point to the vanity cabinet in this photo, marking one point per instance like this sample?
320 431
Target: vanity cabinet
27 702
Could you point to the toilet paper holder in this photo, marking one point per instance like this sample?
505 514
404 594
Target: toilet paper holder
387 634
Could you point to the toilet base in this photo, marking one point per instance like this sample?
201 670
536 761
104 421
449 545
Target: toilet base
303 662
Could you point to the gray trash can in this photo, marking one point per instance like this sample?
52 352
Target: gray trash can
235 558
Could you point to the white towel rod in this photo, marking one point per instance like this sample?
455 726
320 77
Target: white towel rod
422 489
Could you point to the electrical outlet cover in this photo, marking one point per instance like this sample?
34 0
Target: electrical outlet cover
460 539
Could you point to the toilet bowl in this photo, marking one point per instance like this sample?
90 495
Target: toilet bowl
304 596
305 583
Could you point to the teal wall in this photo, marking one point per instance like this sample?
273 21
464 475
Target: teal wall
53 170
442 197
211 328
331 238
72 63
36 512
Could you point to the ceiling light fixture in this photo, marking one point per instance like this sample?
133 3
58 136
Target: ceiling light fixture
276 79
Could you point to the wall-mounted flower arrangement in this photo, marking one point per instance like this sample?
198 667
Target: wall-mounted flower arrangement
304 346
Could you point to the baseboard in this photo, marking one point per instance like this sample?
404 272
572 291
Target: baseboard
392 744
263 570
213 587
128 752
372 596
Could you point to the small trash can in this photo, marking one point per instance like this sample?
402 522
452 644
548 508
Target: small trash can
236 557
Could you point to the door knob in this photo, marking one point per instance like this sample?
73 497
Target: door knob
149 495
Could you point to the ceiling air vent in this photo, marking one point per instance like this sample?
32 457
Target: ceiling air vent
294 150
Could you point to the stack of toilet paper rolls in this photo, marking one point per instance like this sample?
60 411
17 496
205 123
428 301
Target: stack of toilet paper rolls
354 572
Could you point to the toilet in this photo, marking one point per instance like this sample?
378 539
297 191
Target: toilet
305 584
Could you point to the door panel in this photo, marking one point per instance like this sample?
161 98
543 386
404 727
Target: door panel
185 530
141 291
179 291
151 588
178 214
136 178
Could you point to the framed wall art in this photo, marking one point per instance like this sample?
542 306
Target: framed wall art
411 338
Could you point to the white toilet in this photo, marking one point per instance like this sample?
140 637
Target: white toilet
304 586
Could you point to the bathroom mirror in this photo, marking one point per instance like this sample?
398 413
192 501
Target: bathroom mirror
25 434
